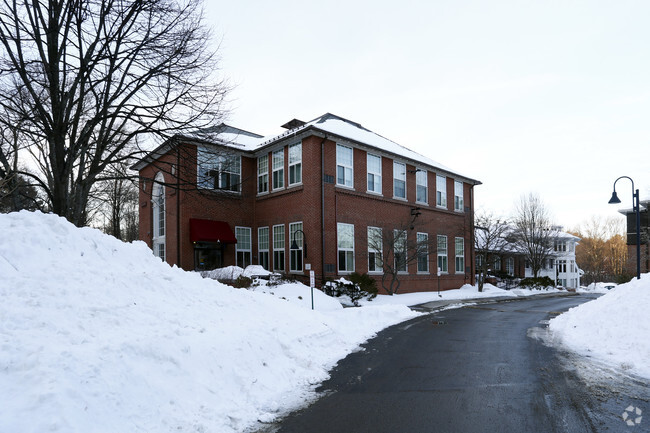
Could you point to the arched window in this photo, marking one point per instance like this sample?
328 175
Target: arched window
158 206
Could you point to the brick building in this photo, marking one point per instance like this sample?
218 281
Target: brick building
320 196
630 217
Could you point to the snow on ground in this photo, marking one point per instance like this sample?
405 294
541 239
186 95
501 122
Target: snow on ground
100 336
613 328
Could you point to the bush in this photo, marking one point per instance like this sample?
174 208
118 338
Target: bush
365 283
537 283
360 286
242 282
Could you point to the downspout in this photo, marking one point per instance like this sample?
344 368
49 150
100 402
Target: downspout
472 257
322 205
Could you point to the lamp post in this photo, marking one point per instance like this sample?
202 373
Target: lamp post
635 208
294 244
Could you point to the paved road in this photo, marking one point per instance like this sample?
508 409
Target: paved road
474 369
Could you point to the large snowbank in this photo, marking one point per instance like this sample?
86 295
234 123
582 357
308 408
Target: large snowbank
100 336
613 328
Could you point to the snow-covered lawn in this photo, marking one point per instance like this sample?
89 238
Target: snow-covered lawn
614 328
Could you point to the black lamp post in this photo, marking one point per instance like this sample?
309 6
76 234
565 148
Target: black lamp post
635 208
294 244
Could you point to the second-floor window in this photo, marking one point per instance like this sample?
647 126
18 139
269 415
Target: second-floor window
344 170
421 186
263 174
218 170
399 180
374 173
441 191
295 163
278 169
459 202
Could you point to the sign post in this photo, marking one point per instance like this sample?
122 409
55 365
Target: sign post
312 283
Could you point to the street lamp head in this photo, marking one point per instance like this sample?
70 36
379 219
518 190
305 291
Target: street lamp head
614 199
294 245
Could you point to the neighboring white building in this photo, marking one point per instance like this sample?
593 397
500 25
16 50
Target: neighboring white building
562 267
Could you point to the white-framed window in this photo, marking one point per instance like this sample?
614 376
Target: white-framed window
399 180
244 246
295 164
442 254
158 208
296 255
423 252
460 255
441 191
278 169
217 169
421 186
344 164
510 266
480 259
459 202
572 266
263 247
561 265
496 263
560 245
374 173
345 245
263 174
278 247
375 248
400 241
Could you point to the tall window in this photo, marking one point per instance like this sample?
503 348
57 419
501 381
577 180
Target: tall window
441 191
442 254
263 174
496 265
374 173
278 247
510 266
344 165
423 252
263 247
399 180
278 169
560 245
422 189
460 255
375 248
158 207
561 265
400 250
217 170
345 243
458 197
295 163
295 256
243 235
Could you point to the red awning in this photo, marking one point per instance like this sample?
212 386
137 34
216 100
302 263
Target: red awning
211 231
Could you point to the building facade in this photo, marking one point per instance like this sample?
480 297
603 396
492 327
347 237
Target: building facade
644 220
322 196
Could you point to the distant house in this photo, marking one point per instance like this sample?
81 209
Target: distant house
305 200
630 216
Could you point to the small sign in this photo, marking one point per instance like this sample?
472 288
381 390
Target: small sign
307 266
312 279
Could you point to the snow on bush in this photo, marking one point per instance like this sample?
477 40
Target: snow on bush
613 328
97 335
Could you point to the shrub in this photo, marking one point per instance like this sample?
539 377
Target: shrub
360 286
242 282
537 283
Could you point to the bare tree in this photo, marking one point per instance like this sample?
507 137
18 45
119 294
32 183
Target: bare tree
601 252
533 232
85 81
490 240
117 204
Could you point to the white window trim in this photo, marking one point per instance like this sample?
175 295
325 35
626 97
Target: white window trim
294 163
261 174
441 187
220 160
375 174
439 254
261 250
158 240
461 195
426 241
380 251
248 250
397 233
275 169
274 249
426 186
300 247
457 256
395 178
339 249
351 167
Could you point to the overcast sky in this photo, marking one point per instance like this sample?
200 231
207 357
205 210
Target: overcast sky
549 97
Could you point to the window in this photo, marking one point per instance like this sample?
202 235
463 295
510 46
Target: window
278 248
442 253
400 250
243 235
399 180
496 265
510 266
458 197
295 164
421 188
561 265
263 174
560 245
217 170
460 255
423 252
344 165
375 248
295 256
441 191
158 207
572 266
263 247
479 261
278 169
345 243
374 173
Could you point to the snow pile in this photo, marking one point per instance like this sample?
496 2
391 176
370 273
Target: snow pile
613 328
99 335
